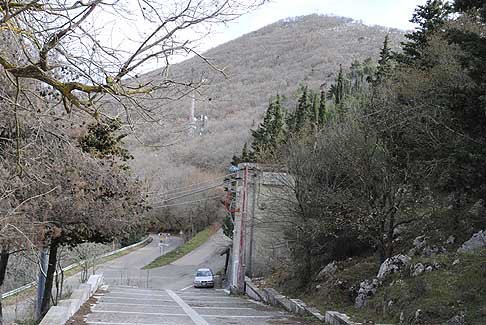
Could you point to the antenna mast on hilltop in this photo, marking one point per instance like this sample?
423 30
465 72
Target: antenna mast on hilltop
197 126
192 118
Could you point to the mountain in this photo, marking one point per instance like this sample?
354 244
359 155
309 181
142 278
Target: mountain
258 65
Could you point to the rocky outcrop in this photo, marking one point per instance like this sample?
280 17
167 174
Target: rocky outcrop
478 209
327 272
392 265
420 268
478 240
366 290
422 248
417 269
457 320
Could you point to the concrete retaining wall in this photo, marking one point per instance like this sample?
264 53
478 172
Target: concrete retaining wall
295 306
252 290
274 298
61 313
336 318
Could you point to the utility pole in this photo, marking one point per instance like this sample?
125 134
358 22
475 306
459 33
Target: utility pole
252 222
242 248
192 118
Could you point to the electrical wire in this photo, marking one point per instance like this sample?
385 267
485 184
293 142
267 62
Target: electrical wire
178 189
191 193
186 202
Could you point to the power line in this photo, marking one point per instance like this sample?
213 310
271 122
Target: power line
186 202
186 188
191 193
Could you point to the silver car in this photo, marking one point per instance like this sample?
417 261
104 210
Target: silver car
204 278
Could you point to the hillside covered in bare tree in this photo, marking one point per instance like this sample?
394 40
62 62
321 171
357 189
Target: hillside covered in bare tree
234 93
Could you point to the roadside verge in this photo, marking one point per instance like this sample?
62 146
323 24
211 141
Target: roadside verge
196 241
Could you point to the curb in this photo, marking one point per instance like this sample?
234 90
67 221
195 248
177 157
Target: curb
295 306
274 298
72 266
66 308
253 291
336 318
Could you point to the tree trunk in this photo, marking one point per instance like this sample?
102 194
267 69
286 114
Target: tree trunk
51 269
389 238
307 266
4 255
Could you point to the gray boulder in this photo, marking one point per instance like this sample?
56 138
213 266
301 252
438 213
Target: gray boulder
366 290
478 240
478 209
418 316
392 265
457 320
419 242
420 268
417 269
450 240
327 272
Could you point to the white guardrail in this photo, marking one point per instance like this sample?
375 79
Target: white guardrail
72 266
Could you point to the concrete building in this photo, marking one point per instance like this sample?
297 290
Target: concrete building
264 199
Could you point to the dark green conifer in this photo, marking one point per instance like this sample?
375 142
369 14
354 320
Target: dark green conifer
245 155
322 108
315 109
278 124
302 109
339 89
384 63
430 18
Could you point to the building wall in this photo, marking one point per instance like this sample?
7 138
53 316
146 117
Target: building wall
268 200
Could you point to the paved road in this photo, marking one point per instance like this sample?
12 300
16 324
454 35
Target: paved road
135 306
169 298
125 270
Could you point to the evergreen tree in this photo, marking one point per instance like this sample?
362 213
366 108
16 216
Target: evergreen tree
430 18
384 63
228 226
302 109
322 109
339 95
277 135
261 136
270 133
471 5
472 43
235 160
357 76
245 155
315 109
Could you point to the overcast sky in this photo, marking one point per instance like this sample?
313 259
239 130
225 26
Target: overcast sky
390 13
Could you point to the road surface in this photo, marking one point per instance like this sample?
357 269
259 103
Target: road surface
169 298
125 270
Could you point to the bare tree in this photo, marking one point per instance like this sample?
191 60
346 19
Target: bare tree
350 195
68 47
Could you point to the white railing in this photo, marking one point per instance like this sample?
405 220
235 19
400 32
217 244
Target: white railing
72 266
